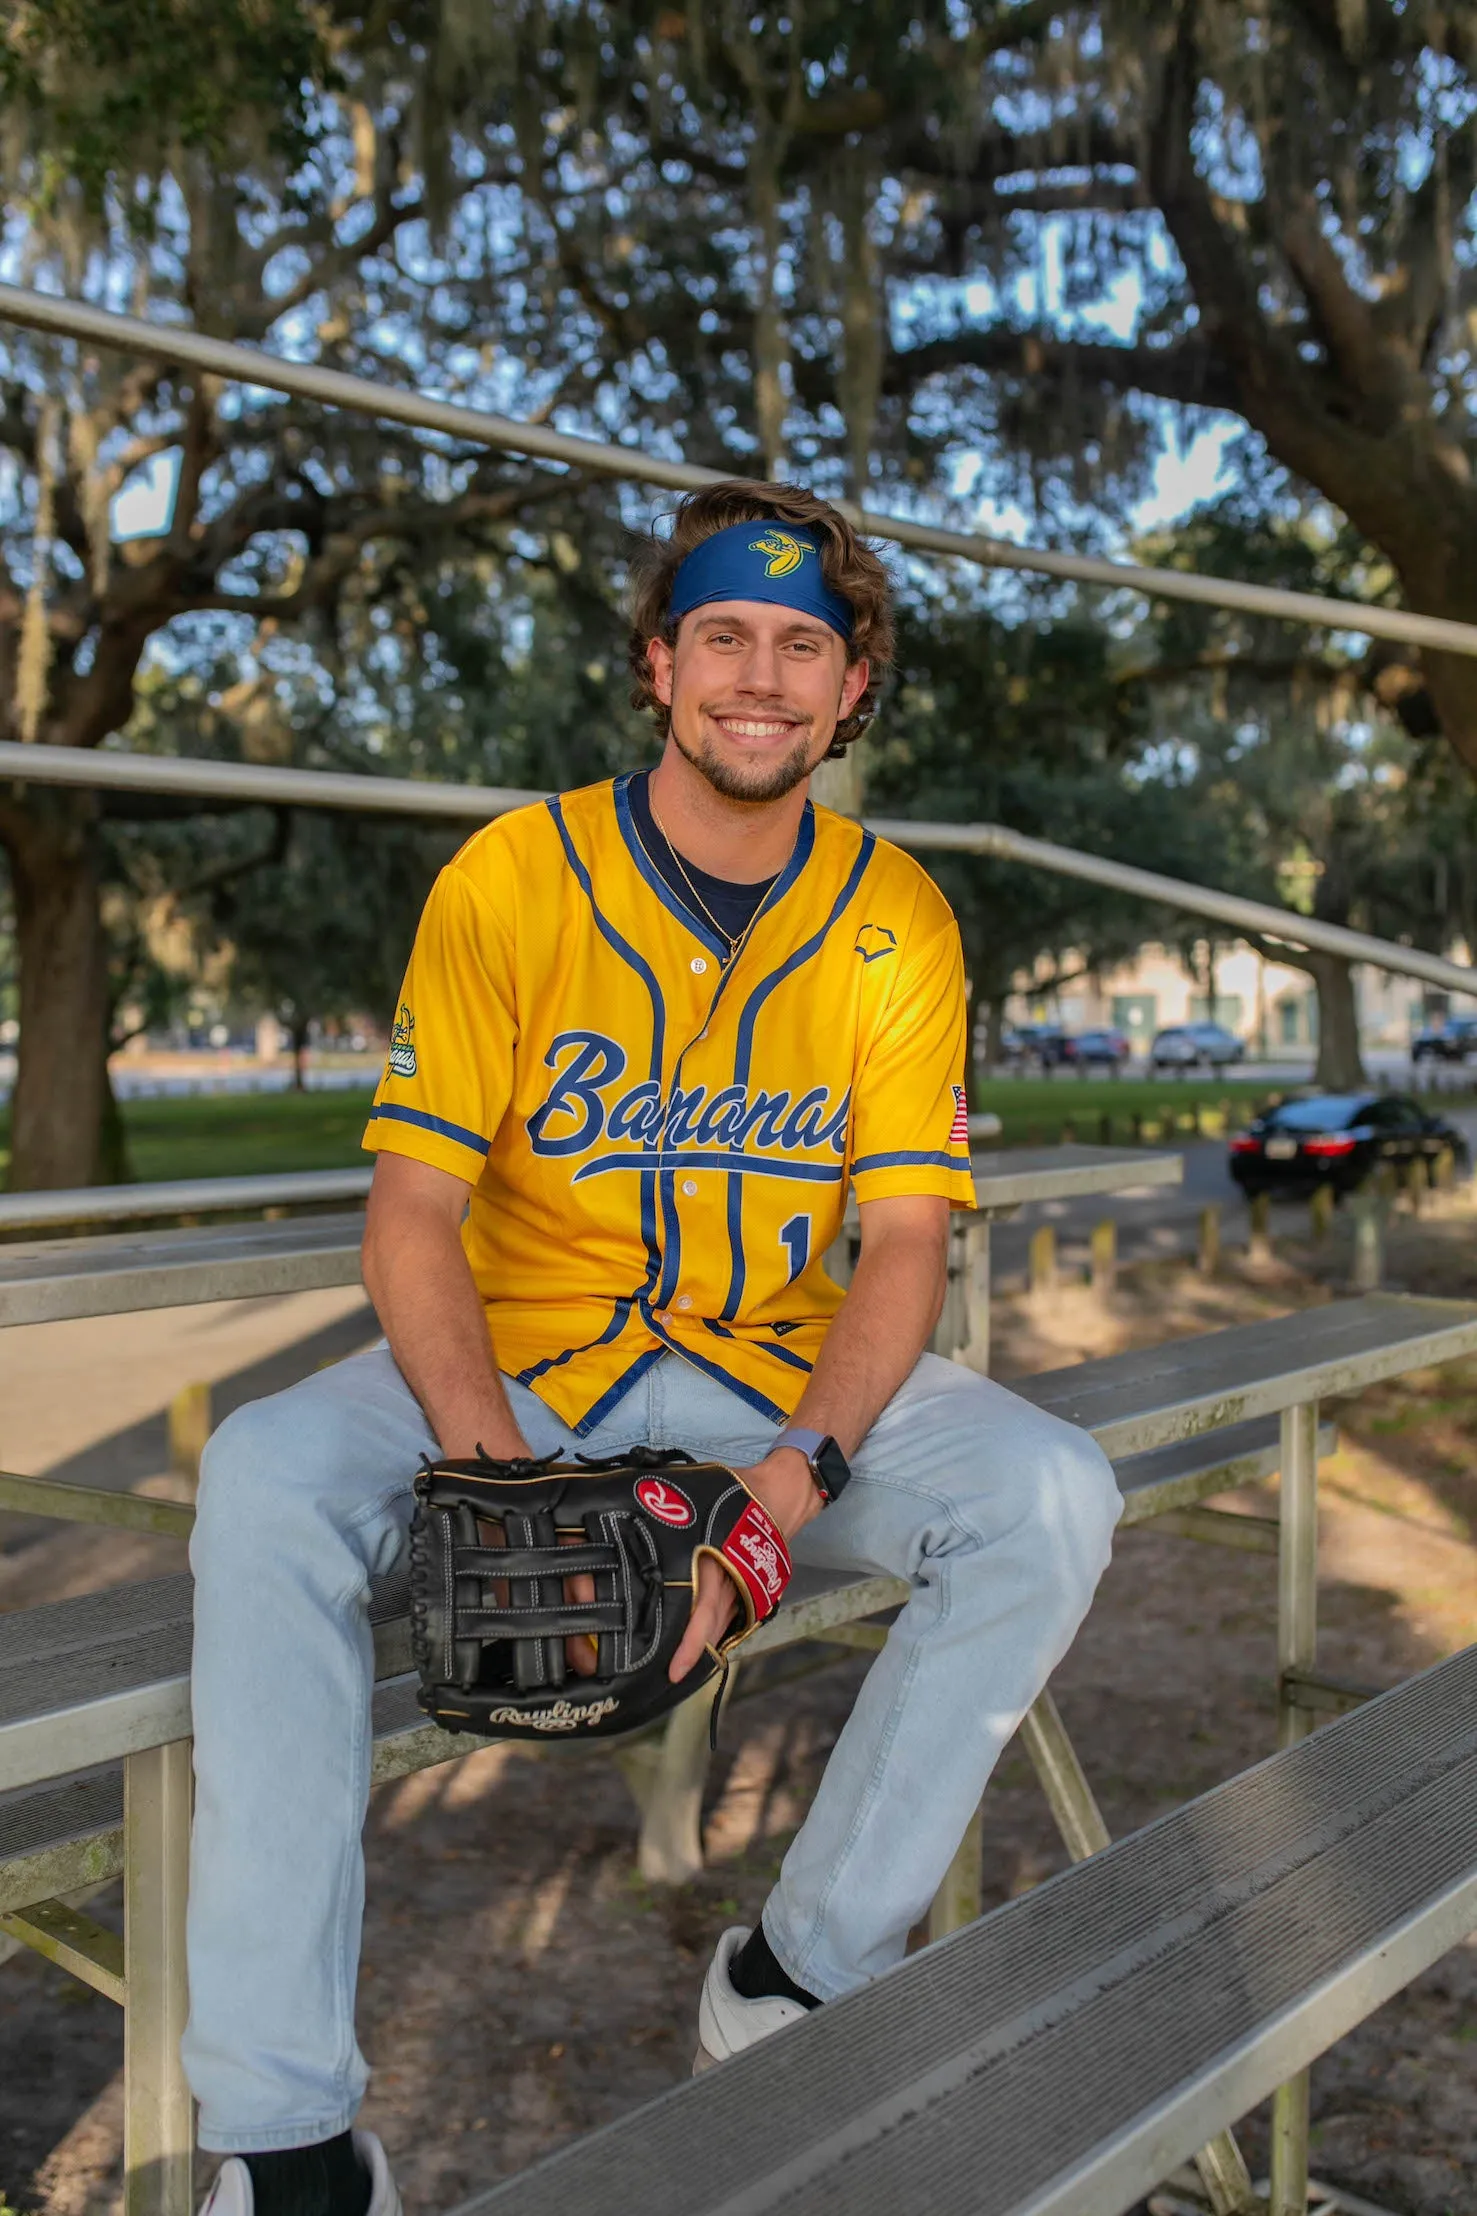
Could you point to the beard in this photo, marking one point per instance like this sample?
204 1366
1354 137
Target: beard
755 782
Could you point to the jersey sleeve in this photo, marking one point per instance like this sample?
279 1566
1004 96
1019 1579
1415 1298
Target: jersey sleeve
449 1075
909 1120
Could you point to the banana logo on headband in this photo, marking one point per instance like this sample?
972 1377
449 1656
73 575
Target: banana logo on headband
785 554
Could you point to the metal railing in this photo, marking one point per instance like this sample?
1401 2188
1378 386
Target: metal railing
178 1196
222 1196
410 796
66 318
74 319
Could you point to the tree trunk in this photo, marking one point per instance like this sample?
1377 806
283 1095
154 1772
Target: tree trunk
842 785
1340 1065
994 1053
299 1053
61 1081
114 1166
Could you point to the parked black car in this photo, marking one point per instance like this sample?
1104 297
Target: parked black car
1451 1041
1337 1139
1039 1045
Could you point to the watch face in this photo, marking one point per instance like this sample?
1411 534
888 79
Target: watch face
833 1466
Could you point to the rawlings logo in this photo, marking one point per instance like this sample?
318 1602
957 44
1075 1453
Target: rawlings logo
668 1503
764 1555
562 1716
760 1557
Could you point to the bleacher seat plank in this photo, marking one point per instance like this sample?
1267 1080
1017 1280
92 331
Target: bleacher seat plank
1132 1402
55 1838
1188 1471
57 1280
1019 1174
1064 2054
109 1696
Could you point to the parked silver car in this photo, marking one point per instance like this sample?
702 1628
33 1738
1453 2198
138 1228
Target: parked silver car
1195 1046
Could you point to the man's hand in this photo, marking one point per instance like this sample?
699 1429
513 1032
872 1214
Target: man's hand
783 1484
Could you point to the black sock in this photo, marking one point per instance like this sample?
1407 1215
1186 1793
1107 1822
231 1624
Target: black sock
755 1975
323 2180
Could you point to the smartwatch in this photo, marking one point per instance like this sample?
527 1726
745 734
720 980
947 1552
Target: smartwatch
828 1465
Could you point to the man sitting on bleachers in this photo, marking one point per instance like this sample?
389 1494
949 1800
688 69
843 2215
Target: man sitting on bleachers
650 1035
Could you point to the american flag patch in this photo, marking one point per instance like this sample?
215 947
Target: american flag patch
959 1129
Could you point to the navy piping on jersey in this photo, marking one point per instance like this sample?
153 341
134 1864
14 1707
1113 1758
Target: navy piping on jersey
673 1159
687 917
392 1112
617 1392
613 1330
719 1375
913 1158
671 1237
745 1047
799 855
647 975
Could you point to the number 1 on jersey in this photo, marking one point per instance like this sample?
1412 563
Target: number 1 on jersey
795 1238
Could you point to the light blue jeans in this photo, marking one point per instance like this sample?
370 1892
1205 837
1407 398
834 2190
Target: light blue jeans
1000 1517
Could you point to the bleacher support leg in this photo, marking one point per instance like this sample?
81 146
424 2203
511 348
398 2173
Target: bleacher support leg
669 1792
976 1348
158 2119
960 1898
1297 1649
189 1431
1222 2167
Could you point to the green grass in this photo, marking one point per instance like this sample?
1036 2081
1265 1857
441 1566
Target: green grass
251 1134
1039 1111
239 1135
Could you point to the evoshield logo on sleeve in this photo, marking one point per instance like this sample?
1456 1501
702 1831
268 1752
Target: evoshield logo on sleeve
402 1044
874 940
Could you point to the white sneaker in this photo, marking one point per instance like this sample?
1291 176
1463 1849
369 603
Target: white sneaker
726 2022
231 2194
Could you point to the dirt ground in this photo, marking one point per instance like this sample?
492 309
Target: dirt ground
521 1984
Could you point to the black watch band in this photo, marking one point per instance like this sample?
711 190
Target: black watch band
828 1465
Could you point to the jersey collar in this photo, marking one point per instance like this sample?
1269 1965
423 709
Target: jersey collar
804 845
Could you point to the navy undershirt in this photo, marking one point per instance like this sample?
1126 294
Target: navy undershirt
733 906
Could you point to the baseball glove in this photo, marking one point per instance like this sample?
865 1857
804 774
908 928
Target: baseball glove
491 1545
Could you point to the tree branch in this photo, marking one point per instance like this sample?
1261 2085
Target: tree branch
1187 372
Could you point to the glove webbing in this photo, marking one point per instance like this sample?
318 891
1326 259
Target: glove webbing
537 1618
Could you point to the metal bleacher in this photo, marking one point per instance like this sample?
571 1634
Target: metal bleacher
94 1692
1062 2056
99 1685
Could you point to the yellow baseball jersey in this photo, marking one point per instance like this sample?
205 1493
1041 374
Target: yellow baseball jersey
659 1146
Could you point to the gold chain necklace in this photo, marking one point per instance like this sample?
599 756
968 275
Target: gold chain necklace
734 946
696 902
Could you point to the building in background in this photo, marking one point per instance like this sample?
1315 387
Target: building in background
1270 1005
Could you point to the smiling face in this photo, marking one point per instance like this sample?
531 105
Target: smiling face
755 692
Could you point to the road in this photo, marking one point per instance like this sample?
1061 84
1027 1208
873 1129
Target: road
1155 1219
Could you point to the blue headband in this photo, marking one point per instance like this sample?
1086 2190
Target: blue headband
759 561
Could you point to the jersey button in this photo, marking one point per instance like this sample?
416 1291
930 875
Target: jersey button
684 1300
689 1186
698 966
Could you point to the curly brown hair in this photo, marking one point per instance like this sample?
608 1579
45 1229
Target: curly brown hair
847 563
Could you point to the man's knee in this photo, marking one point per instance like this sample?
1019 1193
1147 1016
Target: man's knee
267 1462
1053 1488
1078 1502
